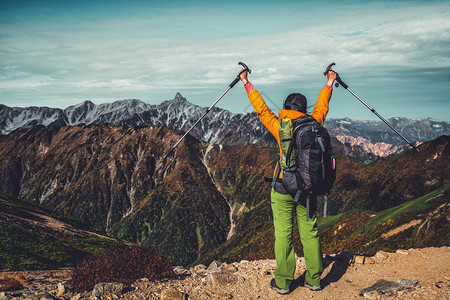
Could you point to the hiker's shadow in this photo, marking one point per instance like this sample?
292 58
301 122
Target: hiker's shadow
339 265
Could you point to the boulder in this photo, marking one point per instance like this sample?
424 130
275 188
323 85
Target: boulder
384 286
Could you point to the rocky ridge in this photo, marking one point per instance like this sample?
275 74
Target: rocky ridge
405 274
379 148
219 126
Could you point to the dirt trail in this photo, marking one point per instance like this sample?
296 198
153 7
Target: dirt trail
344 277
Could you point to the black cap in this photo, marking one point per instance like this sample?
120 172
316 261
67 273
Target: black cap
296 102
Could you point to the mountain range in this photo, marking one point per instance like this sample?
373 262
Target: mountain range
219 126
114 179
103 166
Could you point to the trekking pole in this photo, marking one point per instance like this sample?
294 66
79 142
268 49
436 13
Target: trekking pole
345 86
207 111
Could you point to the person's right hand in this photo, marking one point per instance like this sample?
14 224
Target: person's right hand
243 75
331 77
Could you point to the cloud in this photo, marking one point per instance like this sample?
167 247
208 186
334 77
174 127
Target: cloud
133 56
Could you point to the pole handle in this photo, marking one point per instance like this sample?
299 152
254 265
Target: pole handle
246 68
328 69
338 78
236 80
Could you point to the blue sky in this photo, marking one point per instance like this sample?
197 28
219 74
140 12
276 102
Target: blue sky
393 54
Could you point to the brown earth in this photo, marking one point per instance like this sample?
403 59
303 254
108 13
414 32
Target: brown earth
344 277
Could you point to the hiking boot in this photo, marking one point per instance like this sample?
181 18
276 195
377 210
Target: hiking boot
314 288
280 291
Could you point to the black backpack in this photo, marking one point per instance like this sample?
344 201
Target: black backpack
307 161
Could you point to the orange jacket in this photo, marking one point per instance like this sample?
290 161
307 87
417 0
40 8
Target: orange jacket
270 120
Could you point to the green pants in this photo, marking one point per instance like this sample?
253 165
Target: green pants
283 208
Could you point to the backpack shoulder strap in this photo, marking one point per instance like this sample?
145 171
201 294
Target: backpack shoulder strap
277 173
300 122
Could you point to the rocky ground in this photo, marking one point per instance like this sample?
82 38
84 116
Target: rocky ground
425 272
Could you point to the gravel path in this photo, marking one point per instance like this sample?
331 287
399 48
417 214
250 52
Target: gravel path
344 277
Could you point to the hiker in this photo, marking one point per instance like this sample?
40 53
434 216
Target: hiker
283 205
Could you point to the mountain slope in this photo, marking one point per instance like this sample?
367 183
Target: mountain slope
101 174
34 239
360 191
422 222
389 182
114 179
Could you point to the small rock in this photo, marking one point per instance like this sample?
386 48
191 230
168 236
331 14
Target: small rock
200 268
231 268
361 260
179 270
76 297
3 296
61 290
221 279
215 265
172 294
402 251
381 255
47 297
266 272
358 259
369 260
407 283
221 296
105 288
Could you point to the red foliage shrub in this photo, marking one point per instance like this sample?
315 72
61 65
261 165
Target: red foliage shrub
122 264
11 283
